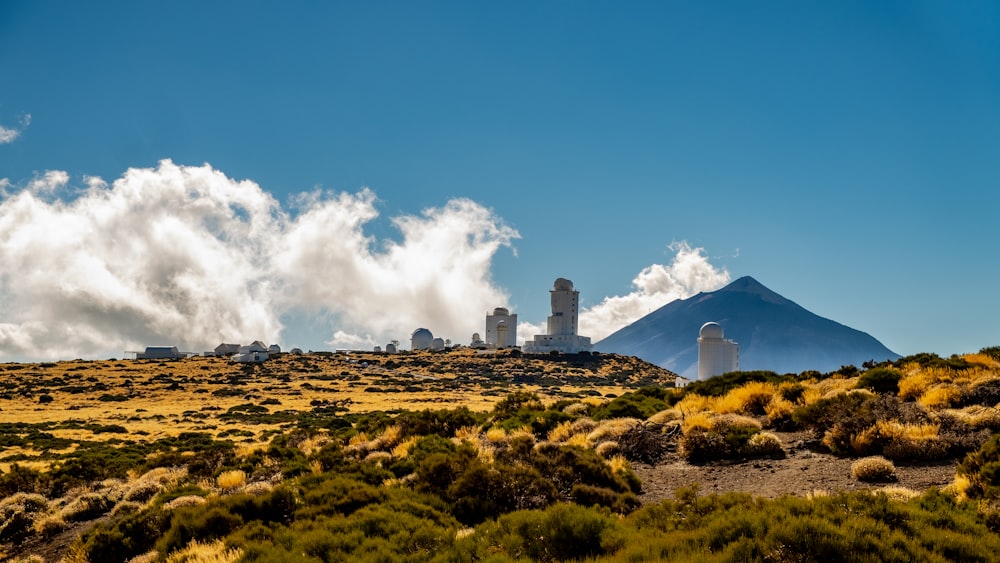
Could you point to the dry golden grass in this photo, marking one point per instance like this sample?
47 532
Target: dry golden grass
209 552
619 464
231 480
982 360
940 397
693 403
751 398
611 429
898 494
875 468
562 431
701 420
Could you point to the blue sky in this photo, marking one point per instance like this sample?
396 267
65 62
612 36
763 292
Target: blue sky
844 154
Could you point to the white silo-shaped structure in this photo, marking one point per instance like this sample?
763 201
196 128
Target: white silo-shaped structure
390 348
437 344
716 354
501 319
562 323
421 339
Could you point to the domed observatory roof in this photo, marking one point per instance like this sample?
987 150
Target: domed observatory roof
421 339
501 311
563 284
711 330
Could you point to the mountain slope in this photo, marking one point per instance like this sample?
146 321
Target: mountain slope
774 333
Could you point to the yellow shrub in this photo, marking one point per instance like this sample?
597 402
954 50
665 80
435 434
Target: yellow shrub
899 494
561 432
619 464
612 429
938 397
693 403
913 385
495 435
578 440
470 434
230 480
981 359
751 398
665 416
779 410
698 420
402 451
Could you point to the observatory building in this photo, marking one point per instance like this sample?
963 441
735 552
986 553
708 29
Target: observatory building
716 355
501 329
562 324
421 339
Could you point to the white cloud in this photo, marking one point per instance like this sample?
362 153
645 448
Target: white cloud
186 256
655 286
9 135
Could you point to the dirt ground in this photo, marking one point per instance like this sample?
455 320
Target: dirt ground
802 472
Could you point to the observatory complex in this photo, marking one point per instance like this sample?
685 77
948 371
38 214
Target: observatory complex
716 355
562 324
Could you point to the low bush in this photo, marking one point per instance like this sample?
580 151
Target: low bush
873 469
880 380
724 437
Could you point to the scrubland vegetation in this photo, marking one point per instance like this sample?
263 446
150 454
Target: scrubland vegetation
460 456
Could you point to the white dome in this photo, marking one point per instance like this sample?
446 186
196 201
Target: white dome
563 284
711 330
501 311
421 339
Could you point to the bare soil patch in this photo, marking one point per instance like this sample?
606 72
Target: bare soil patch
804 471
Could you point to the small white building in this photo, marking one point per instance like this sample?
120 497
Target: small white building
562 324
274 349
437 344
501 329
253 353
391 347
223 350
716 354
421 339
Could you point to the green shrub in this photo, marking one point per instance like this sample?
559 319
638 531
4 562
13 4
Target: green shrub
881 380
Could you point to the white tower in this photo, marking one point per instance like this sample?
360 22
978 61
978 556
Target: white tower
565 308
562 324
716 355
501 316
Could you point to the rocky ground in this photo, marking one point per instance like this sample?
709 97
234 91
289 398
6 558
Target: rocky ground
803 471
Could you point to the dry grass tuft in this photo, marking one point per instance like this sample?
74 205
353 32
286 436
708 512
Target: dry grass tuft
873 469
611 429
231 480
607 449
764 444
258 488
663 417
899 494
561 432
402 451
576 409
187 500
619 464
212 552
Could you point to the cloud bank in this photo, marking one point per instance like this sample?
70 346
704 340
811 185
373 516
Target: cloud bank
187 256
9 135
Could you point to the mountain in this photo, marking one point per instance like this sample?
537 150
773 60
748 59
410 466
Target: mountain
774 333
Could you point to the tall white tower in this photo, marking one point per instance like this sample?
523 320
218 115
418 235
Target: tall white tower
716 355
501 321
562 324
565 308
